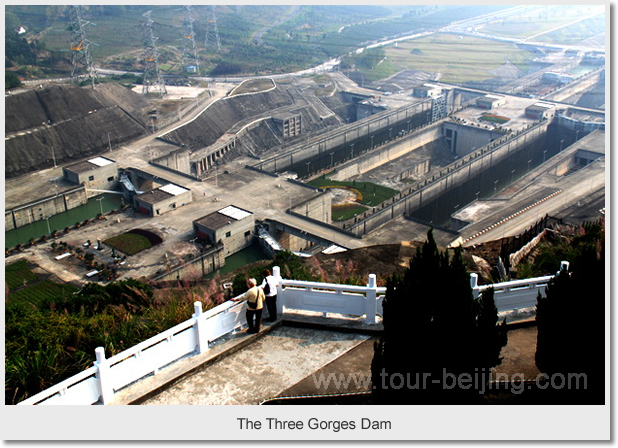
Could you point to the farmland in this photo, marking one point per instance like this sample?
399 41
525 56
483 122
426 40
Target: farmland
27 288
473 60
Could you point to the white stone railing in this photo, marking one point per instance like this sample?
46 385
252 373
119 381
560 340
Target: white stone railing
516 294
99 383
333 298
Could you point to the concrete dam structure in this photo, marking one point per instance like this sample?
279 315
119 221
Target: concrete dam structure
484 157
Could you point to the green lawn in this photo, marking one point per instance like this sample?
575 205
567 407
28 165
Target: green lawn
345 212
129 243
41 292
372 194
18 274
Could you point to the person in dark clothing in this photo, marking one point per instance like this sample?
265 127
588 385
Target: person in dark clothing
269 286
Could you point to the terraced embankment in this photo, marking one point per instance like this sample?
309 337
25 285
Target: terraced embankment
67 122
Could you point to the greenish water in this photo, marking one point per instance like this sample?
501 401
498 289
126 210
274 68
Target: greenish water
22 235
246 256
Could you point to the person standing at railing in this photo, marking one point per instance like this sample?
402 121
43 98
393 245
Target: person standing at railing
269 286
255 300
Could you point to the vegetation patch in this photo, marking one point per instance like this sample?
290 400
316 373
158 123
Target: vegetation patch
19 274
346 211
497 119
253 86
134 241
368 193
41 292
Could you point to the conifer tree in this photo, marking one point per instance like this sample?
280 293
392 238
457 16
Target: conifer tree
437 339
571 331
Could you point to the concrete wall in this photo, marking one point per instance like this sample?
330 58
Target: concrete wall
46 207
452 176
166 205
205 264
177 161
389 152
318 208
464 139
576 86
101 178
240 234
362 129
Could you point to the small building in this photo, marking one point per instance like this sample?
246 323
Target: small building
288 125
539 111
232 226
490 102
427 91
162 200
98 173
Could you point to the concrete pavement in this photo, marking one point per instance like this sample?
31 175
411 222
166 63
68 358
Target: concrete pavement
262 369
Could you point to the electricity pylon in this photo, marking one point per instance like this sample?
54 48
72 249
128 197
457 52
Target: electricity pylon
81 61
189 49
212 33
152 75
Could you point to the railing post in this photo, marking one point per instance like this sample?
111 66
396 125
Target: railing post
103 376
280 292
200 328
371 300
474 280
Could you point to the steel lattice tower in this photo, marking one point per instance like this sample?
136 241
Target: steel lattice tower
81 61
189 49
152 75
212 33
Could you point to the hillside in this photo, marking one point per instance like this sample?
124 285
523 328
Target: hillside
76 122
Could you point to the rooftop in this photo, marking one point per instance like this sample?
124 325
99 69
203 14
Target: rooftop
90 164
223 217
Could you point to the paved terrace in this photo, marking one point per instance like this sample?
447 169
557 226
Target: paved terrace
285 360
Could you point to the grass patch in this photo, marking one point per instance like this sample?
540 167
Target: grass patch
348 211
129 243
494 118
372 194
18 274
41 293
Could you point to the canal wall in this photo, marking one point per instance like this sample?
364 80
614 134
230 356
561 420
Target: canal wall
387 153
347 138
204 264
579 85
464 169
44 208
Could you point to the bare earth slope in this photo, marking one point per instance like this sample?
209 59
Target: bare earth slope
76 122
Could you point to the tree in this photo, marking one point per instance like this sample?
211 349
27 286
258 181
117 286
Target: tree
571 348
437 339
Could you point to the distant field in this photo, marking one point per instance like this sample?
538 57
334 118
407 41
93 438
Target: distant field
456 58
542 20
